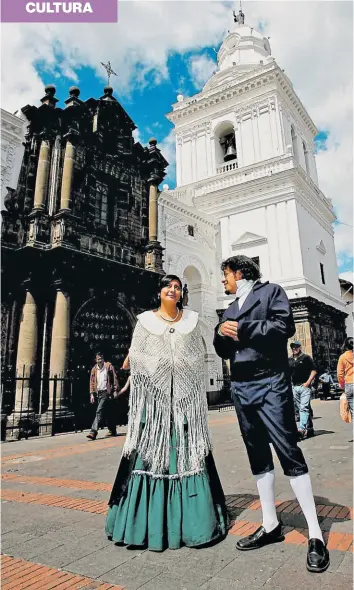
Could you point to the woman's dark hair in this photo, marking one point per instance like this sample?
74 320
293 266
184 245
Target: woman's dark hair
348 344
166 281
247 266
99 353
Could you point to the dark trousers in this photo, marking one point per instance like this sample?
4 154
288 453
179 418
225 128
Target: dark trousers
326 388
265 412
104 412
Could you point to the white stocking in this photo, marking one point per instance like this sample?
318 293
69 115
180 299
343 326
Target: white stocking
302 489
265 485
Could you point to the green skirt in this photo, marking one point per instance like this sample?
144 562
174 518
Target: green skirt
166 512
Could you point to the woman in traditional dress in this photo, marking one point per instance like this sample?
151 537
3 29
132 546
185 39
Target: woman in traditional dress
167 492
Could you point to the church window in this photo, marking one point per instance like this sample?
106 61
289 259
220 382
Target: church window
101 204
191 230
322 273
306 156
294 142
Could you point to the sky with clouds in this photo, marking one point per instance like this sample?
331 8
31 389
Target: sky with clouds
165 47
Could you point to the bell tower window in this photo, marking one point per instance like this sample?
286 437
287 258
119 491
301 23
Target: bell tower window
306 156
294 142
225 148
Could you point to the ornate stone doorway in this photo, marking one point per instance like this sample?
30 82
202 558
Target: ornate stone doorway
102 325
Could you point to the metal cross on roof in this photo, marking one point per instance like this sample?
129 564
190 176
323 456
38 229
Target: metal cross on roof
109 70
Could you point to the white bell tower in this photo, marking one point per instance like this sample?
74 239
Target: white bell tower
245 161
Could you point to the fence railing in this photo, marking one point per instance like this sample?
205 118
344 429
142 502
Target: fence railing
34 405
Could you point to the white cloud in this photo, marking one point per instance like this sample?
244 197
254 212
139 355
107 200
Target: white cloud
201 68
167 147
311 40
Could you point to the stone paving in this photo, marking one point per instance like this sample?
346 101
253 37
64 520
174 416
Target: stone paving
54 500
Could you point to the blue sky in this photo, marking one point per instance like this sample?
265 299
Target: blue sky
147 104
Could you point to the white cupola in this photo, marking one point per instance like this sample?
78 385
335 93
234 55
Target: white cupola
243 50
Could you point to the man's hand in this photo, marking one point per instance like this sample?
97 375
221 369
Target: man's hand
92 399
230 329
115 394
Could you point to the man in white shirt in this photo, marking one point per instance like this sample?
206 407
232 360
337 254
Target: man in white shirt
104 386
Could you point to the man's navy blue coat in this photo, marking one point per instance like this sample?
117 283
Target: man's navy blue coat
265 324
260 380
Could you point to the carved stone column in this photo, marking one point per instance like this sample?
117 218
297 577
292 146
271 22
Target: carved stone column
156 163
59 355
42 175
153 213
67 176
23 412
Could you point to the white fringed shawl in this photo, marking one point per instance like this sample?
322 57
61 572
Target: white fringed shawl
167 380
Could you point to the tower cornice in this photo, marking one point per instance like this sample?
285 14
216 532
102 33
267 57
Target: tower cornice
195 107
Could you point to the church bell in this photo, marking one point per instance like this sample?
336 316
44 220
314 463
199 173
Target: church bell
230 153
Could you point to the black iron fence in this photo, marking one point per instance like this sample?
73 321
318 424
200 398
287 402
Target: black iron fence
224 389
34 405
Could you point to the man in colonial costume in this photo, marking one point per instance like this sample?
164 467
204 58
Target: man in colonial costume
253 334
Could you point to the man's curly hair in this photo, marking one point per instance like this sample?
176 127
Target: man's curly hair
247 266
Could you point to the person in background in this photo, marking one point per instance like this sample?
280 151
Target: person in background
104 385
302 371
345 371
326 380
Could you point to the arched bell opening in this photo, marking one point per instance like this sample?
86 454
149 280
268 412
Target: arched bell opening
225 144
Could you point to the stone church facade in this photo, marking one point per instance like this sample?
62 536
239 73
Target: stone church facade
80 257
247 184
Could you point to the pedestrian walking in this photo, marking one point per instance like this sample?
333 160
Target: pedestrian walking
326 380
302 372
253 334
167 492
345 371
103 389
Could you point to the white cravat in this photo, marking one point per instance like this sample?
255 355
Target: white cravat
244 288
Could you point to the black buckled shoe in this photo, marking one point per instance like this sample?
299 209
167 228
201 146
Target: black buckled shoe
260 538
317 556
